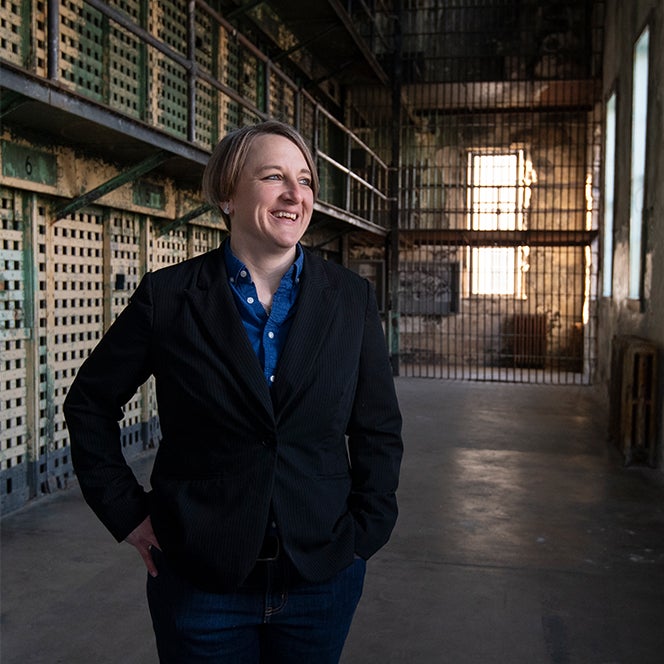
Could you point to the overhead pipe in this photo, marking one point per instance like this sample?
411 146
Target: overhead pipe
53 39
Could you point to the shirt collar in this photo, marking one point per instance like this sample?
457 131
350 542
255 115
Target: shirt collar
238 272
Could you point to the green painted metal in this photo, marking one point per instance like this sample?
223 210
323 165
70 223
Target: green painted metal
85 67
142 63
148 194
28 163
28 53
30 321
106 59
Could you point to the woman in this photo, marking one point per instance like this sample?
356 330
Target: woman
276 474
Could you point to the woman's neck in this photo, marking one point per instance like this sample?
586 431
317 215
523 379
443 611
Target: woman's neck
266 270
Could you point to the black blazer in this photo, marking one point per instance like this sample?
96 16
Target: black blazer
321 448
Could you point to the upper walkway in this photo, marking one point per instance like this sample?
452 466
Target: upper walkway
522 539
153 91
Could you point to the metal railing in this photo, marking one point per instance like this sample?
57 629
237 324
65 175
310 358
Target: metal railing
182 68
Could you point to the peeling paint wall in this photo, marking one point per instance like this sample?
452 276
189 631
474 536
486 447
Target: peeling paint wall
619 315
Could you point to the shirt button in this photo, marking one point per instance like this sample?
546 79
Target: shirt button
271 335
243 273
250 300
272 379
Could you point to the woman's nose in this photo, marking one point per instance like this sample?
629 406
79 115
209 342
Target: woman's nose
293 190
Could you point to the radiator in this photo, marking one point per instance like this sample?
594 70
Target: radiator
529 340
633 389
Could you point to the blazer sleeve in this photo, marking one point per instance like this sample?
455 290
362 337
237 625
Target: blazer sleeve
93 408
374 440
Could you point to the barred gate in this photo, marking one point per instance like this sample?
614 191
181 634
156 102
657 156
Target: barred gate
494 263
499 212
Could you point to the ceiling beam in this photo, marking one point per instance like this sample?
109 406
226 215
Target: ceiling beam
346 19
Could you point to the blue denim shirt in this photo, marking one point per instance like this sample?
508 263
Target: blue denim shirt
267 332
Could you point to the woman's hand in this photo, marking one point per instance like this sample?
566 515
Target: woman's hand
143 539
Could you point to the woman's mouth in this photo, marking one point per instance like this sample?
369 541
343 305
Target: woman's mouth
282 214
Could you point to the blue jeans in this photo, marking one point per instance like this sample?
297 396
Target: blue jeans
269 621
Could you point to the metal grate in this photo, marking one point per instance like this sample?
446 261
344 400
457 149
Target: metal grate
75 322
126 52
495 259
61 285
282 99
206 125
168 249
11 34
14 333
204 239
82 31
124 271
167 87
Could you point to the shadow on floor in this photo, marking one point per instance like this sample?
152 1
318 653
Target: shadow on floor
522 539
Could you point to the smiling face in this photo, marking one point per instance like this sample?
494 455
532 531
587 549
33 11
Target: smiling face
273 201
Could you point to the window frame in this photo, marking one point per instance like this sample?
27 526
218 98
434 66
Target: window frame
519 254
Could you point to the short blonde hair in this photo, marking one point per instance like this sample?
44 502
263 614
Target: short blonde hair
229 157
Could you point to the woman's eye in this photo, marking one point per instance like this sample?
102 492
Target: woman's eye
305 181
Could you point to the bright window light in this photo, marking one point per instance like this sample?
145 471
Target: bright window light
609 193
639 132
498 195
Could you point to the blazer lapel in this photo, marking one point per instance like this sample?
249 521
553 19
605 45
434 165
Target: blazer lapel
316 308
213 305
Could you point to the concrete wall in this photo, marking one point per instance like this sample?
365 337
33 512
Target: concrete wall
619 315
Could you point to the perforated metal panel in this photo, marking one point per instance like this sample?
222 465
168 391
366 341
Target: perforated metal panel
241 73
11 35
204 239
168 249
168 90
125 273
14 335
82 30
75 268
222 64
127 91
62 284
44 417
282 99
206 122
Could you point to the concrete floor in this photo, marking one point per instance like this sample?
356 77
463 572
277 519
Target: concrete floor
522 540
